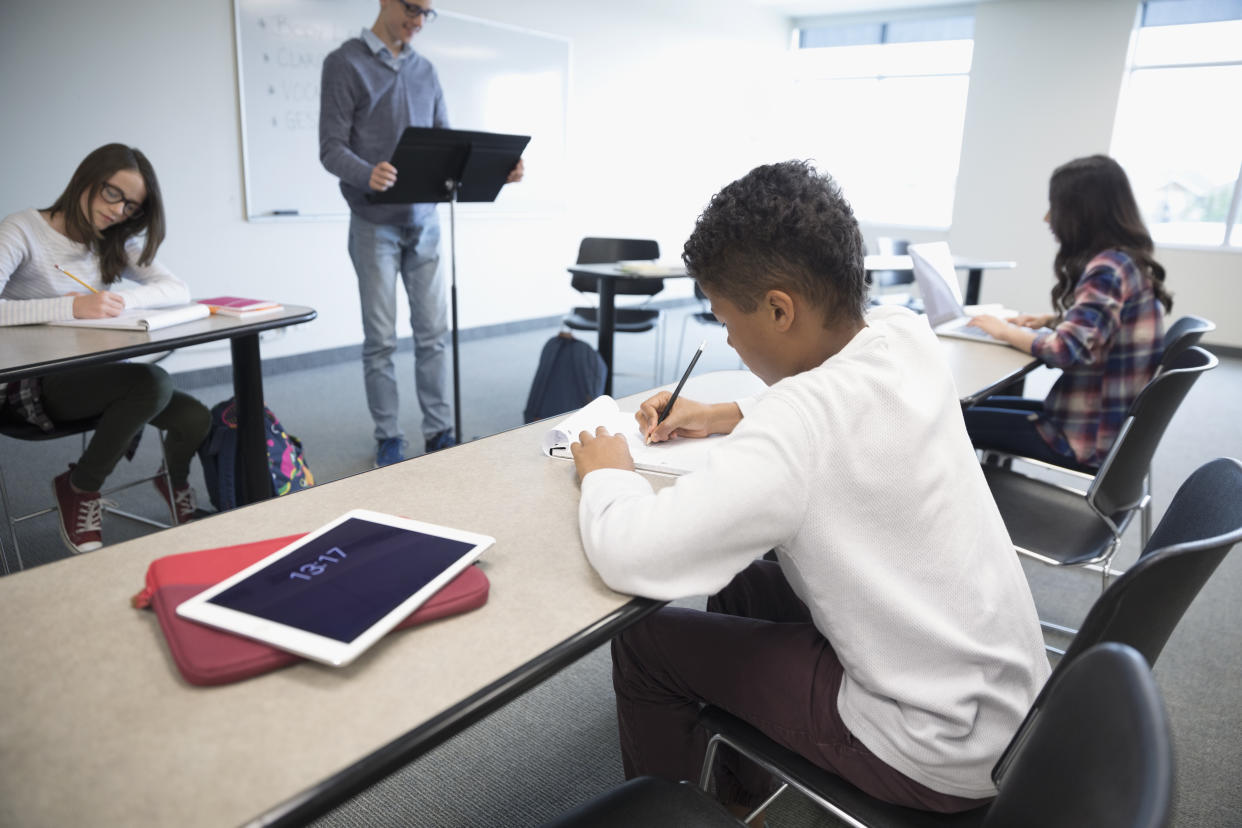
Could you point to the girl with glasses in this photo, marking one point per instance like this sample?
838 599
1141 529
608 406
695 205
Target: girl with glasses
106 226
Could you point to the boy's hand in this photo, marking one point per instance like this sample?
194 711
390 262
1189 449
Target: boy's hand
601 451
688 418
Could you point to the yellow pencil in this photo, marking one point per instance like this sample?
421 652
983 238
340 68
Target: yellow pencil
75 278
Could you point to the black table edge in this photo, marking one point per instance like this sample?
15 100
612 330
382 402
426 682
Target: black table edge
341 786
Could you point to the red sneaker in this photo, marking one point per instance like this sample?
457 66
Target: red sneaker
181 500
81 516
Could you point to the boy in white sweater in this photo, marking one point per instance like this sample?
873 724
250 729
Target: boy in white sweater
894 641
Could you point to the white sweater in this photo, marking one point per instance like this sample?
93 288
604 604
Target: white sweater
859 473
33 291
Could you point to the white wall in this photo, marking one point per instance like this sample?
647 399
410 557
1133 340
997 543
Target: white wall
667 104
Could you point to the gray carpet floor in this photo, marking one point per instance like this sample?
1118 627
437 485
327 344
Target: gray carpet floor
556 745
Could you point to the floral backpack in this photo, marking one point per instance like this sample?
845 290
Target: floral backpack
285 459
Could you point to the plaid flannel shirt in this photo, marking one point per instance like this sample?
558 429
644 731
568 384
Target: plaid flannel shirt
1108 344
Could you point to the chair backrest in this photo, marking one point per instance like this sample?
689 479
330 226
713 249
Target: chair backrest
1181 335
1120 484
598 250
1143 606
1079 761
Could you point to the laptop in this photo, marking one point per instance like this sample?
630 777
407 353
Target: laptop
942 298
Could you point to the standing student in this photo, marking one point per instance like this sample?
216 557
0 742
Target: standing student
373 87
1107 331
106 225
894 640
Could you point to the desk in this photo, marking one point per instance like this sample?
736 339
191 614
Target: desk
35 350
974 270
98 728
981 369
607 275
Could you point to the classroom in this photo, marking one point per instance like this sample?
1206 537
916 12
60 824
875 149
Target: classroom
656 106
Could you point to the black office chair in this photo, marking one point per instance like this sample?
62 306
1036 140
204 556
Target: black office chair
1182 334
882 281
596 250
1093 750
19 430
1064 527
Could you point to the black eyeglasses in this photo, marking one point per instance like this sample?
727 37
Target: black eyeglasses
415 10
113 195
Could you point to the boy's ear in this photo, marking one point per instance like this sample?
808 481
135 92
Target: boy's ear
780 308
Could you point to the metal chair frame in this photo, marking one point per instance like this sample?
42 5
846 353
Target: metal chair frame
83 427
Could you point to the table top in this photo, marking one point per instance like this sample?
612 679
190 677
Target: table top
34 350
98 727
981 368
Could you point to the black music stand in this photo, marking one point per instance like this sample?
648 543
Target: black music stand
452 165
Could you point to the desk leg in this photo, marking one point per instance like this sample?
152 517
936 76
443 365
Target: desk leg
606 322
254 481
974 281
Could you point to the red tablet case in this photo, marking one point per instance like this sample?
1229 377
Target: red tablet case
207 656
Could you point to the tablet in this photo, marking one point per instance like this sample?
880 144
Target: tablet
333 593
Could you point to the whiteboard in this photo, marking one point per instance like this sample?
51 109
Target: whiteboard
496 78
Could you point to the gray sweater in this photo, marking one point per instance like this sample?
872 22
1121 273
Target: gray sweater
365 105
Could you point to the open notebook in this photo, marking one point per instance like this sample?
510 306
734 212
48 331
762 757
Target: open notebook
676 456
143 319
942 298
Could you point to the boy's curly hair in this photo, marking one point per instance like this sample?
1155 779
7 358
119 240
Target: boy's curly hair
784 227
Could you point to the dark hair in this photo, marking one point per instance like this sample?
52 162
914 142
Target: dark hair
781 227
109 246
1091 208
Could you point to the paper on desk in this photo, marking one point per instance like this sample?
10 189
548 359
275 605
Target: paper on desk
142 319
677 456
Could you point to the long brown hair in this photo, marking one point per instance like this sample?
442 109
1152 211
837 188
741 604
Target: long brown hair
1092 209
109 246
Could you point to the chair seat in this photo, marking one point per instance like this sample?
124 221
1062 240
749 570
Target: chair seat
1050 521
650 802
21 430
818 783
627 320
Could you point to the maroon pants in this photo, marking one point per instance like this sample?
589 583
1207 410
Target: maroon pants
756 654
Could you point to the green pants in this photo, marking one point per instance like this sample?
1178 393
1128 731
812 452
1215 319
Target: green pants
125 396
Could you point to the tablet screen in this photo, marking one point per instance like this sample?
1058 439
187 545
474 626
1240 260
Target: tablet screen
344 581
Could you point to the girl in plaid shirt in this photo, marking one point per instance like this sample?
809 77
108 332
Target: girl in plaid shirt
1106 336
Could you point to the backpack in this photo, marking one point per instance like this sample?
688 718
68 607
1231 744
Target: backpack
285 459
570 374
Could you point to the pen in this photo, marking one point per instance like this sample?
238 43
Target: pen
668 406
75 278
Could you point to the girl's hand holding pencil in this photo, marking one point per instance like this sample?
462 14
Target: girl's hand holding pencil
94 305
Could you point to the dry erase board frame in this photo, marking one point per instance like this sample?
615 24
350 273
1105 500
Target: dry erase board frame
496 78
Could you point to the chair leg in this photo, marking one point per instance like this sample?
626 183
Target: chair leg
12 524
1145 512
681 342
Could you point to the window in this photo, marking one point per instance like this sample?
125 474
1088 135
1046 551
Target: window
1179 120
880 106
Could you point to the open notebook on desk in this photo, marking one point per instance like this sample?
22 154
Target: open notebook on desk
677 456
142 319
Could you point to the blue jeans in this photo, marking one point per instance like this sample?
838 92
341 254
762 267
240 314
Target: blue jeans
1007 424
380 252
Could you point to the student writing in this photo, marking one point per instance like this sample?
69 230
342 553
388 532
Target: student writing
106 226
894 640
1107 331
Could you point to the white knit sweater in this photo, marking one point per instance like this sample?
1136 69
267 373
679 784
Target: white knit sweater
33 291
859 473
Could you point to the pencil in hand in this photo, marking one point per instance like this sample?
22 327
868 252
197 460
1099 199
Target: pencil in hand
668 406
75 278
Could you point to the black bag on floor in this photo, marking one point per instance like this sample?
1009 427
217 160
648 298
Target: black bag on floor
571 373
